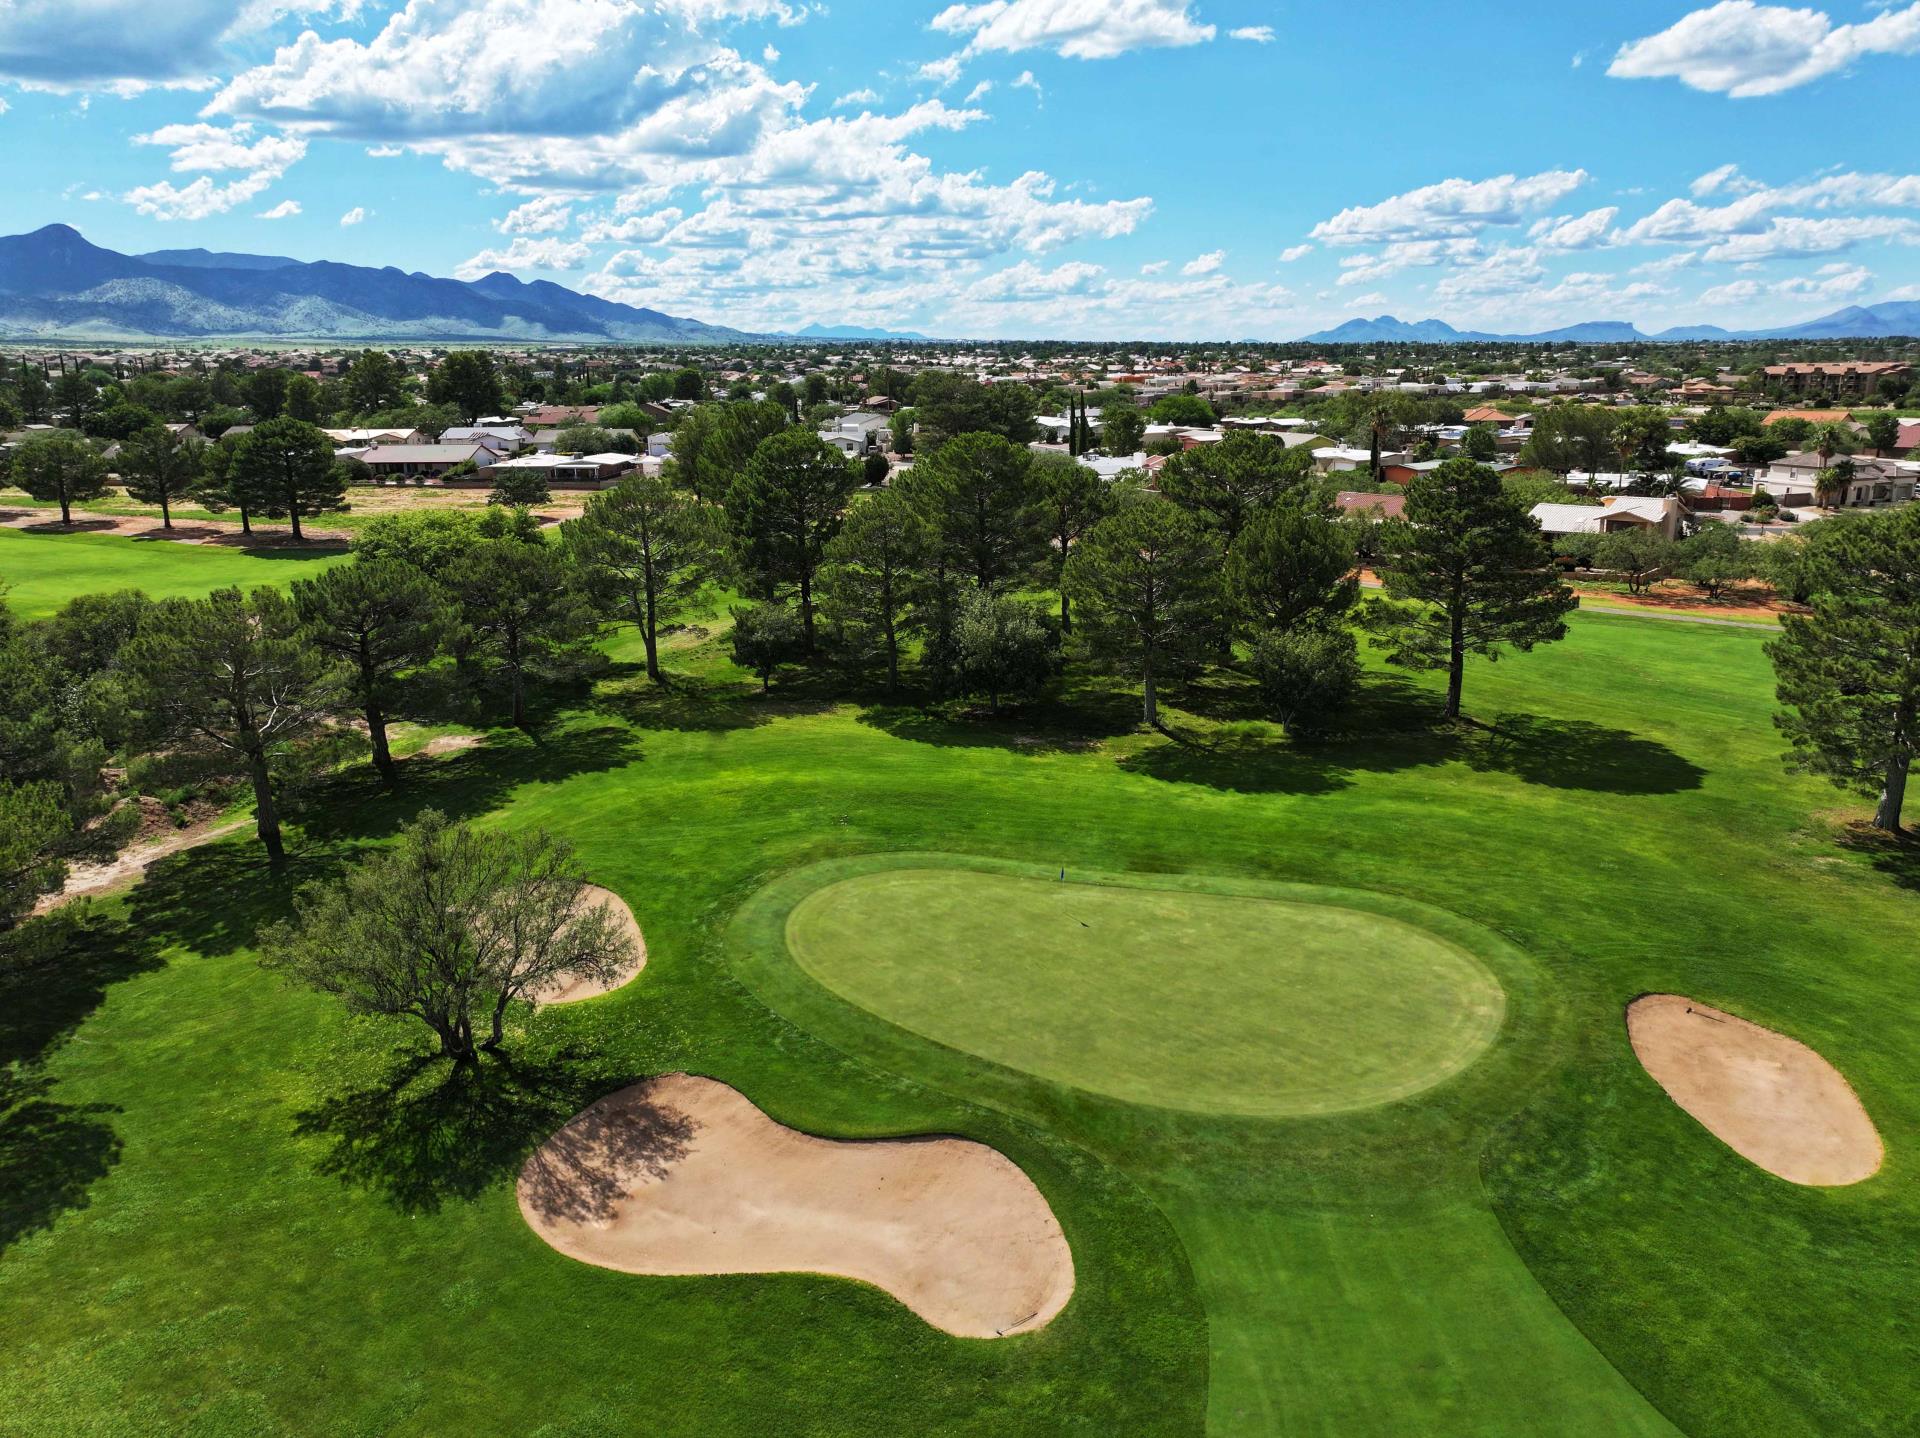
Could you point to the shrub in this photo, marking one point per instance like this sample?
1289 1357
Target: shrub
1307 676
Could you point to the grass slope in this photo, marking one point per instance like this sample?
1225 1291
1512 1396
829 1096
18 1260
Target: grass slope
218 1219
41 572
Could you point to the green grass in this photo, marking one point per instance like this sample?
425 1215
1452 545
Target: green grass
1212 1002
41 572
215 1218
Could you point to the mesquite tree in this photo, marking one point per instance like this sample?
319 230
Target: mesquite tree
451 926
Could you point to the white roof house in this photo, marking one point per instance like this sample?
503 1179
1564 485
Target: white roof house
1620 512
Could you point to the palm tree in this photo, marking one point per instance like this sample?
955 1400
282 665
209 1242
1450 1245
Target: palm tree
1827 439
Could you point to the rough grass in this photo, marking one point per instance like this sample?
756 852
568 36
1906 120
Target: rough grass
228 1209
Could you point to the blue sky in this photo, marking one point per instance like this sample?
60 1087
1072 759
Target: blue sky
1085 168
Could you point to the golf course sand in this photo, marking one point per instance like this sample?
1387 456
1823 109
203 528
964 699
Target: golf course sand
685 1175
575 989
1772 1100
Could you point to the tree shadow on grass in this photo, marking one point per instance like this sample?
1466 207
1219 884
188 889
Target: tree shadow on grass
54 972
1072 725
428 1131
357 805
685 703
51 1153
1573 754
1895 855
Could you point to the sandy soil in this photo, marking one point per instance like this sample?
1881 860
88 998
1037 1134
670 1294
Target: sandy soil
1772 1100
684 1175
450 744
583 988
184 531
131 862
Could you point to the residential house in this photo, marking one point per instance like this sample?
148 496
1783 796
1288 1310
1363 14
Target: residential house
422 461
1795 480
1371 506
502 439
1619 512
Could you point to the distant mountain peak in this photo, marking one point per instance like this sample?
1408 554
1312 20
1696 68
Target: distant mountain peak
54 283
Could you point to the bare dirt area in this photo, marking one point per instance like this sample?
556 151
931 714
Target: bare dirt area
685 1175
575 989
1744 601
1769 1098
153 844
450 744
148 526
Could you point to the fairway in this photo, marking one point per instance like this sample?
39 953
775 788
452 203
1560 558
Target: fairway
41 572
1201 1001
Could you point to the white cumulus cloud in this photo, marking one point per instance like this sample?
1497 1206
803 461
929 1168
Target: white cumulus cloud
1204 264
1077 29
1258 34
285 210
1450 208
1743 49
526 254
357 215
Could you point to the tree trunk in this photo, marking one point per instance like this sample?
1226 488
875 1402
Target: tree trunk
246 524
66 511
377 731
166 512
1149 702
806 609
893 649
498 1034
1456 666
1060 579
1893 791
1892 796
650 632
266 818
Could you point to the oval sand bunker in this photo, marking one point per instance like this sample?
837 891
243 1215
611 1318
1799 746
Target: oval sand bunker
572 990
684 1175
1769 1098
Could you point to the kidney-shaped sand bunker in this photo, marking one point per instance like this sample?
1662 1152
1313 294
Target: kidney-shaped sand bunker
1769 1098
684 1175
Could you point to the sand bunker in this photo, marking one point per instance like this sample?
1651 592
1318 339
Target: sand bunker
684 1175
1770 1099
573 990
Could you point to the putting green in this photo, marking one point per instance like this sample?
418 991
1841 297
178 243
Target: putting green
1205 1002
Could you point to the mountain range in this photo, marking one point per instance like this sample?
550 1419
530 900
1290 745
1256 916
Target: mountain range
54 284
853 332
1893 318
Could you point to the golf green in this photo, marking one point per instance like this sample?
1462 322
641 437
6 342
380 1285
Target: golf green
1206 1002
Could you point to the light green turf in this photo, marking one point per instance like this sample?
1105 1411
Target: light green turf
40 572
1207 1002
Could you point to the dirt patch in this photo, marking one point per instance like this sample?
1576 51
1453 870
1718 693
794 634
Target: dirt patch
451 744
1769 1098
575 989
131 863
684 1175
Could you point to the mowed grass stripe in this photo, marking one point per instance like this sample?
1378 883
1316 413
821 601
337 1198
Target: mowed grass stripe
1205 1002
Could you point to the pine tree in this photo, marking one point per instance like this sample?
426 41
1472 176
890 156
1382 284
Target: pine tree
1469 573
